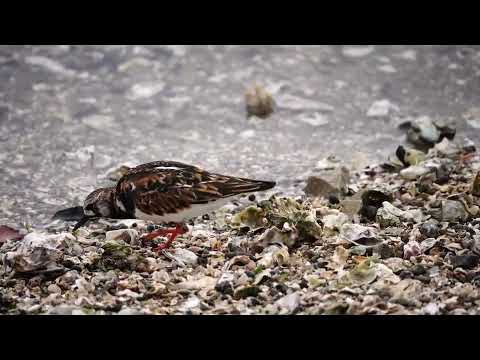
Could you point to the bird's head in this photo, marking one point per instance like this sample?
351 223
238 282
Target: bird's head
100 203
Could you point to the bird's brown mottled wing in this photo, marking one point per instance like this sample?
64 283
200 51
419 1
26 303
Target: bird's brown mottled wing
167 187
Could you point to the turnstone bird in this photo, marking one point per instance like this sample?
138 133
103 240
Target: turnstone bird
166 192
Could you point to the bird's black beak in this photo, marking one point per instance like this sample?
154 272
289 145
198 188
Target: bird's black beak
83 221
73 214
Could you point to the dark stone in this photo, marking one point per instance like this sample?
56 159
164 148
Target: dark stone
385 251
333 199
475 279
430 229
371 201
418 269
251 197
467 261
224 287
6 303
202 260
425 188
117 227
206 217
443 175
405 274
282 288
423 278
318 187
303 284
369 212
246 291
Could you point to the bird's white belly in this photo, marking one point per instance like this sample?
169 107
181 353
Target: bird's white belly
192 212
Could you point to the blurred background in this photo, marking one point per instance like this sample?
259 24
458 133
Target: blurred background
69 114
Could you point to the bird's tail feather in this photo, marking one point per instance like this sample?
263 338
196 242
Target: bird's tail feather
241 186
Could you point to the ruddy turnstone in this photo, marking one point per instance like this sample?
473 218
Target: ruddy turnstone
166 192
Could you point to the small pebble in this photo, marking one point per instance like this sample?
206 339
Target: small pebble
405 274
54 288
418 269
333 199
430 229
467 261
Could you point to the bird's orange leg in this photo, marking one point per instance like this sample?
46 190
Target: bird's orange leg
171 234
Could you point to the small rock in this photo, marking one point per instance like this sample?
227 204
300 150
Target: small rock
468 261
431 309
276 254
453 211
430 229
318 187
333 199
418 269
359 235
262 276
332 223
130 236
185 256
372 200
259 102
427 244
243 292
414 172
225 283
387 219
53 288
67 280
38 252
412 248
202 283
289 302
191 303
385 251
